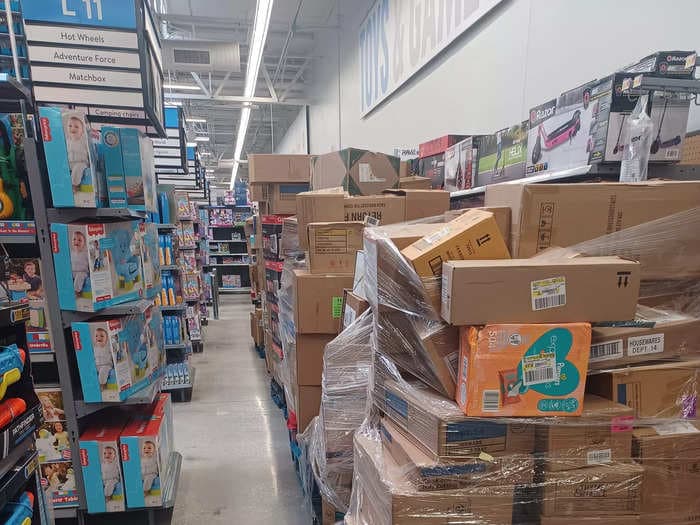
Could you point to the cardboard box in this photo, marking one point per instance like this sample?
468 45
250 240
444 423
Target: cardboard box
308 404
414 182
281 198
403 235
665 390
539 291
440 428
358 172
353 307
631 519
329 514
673 335
333 246
427 473
523 370
669 453
438 145
423 203
279 168
603 434
679 64
545 215
604 490
472 235
502 156
389 499
500 213
319 302
309 350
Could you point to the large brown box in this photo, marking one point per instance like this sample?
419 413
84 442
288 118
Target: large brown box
279 168
500 213
540 291
414 182
309 350
279 199
318 302
333 246
603 434
670 454
631 519
673 335
665 390
444 432
545 215
403 235
308 404
358 172
604 490
353 307
423 203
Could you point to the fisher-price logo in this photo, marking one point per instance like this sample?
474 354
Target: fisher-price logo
45 129
114 324
125 452
84 457
54 242
96 229
77 344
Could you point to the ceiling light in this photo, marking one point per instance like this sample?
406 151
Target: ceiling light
196 120
204 153
191 144
263 12
183 87
173 103
201 139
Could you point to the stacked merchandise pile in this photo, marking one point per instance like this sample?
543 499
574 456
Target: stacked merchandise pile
257 286
226 242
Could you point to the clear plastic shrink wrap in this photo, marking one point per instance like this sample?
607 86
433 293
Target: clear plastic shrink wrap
632 457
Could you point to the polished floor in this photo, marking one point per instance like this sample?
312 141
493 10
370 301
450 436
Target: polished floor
236 462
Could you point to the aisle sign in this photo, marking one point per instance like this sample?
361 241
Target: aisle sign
398 38
95 13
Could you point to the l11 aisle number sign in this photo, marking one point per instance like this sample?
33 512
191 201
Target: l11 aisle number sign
399 37
104 55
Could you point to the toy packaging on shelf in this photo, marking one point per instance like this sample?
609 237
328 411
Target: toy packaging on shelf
75 175
146 444
502 156
120 356
150 259
102 473
182 205
185 235
97 264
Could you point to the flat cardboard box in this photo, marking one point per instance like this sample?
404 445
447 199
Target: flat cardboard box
500 213
562 290
603 434
414 183
308 404
546 215
358 172
281 198
333 246
279 168
319 302
664 390
309 349
353 307
426 473
673 335
604 490
389 499
472 235
440 428
403 235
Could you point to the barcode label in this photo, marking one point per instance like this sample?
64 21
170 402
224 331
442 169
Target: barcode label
599 457
606 351
539 369
672 154
452 361
491 401
548 293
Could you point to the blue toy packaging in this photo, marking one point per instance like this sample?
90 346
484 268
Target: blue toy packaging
75 174
146 446
114 167
99 458
97 265
150 259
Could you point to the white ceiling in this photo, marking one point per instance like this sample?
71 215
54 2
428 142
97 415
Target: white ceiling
289 70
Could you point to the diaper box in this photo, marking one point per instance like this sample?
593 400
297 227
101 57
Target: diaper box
523 370
102 474
98 265
146 444
75 174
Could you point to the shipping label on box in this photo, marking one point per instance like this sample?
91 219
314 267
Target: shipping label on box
333 246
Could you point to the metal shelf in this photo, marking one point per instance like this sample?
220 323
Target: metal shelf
222 242
43 358
169 267
74 214
65 513
142 397
234 290
16 470
12 89
167 226
182 386
176 308
228 265
178 346
644 83
225 207
17 232
131 308
13 314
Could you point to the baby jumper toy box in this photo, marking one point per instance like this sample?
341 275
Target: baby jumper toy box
75 174
150 259
523 370
146 445
99 458
97 264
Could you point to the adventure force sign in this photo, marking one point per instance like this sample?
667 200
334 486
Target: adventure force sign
399 37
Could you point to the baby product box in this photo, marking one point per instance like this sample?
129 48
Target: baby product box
97 264
130 169
522 370
150 259
102 475
146 446
75 174
114 167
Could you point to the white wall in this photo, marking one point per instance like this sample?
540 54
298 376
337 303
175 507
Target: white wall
521 54
296 139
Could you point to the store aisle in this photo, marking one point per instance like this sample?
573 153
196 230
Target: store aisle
236 467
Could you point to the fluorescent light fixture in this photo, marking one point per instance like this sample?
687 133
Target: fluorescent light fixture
197 120
191 144
201 139
173 103
261 25
204 153
210 170
182 87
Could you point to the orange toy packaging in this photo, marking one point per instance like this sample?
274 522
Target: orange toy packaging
523 370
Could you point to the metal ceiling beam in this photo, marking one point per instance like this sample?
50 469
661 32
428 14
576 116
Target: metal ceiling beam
268 81
222 84
201 85
296 78
241 99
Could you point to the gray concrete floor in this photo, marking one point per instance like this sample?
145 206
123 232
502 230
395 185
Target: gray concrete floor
236 462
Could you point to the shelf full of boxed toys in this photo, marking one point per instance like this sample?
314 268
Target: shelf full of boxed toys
226 243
